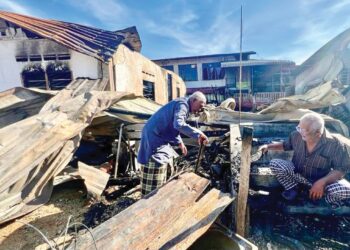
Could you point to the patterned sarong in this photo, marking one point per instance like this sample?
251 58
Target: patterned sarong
153 175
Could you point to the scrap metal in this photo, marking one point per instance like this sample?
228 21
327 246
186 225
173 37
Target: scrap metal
34 150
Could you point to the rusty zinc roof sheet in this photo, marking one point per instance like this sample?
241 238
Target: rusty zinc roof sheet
98 43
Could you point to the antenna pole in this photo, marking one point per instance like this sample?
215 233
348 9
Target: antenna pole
240 68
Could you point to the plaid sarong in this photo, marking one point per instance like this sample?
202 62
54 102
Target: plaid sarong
335 193
285 174
153 175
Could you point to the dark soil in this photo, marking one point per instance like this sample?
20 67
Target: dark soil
100 212
270 230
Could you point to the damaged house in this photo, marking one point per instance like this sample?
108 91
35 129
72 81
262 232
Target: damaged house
36 150
49 54
81 61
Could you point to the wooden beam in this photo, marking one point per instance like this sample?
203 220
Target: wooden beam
170 218
247 138
235 142
235 149
111 75
47 85
195 221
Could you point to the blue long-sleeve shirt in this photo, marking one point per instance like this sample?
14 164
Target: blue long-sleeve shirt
163 129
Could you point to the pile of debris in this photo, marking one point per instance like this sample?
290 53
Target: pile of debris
102 144
269 231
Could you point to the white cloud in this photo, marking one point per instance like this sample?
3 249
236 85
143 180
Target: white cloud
111 13
187 17
338 6
184 26
14 7
306 4
317 24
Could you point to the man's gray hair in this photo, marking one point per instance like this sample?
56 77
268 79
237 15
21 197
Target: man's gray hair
198 96
315 121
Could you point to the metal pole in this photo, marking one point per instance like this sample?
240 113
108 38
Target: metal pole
240 70
199 158
118 151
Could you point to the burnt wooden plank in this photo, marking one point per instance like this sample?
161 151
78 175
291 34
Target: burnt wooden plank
194 222
247 137
235 143
168 215
95 179
235 149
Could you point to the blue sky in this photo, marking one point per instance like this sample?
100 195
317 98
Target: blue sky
275 29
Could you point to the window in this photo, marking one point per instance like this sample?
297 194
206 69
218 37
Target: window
177 92
59 75
169 67
63 56
213 71
148 90
21 58
231 78
276 81
170 87
34 76
188 72
215 98
268 78
3 26
50 57
35 58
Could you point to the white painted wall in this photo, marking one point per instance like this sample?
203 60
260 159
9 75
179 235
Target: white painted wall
83 65
10 71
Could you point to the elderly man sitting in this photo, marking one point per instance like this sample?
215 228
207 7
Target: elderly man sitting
163 129
319 160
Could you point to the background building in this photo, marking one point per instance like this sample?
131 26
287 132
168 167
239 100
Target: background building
217 76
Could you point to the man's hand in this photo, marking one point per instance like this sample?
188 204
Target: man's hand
203 139
263 148
183 149
317 190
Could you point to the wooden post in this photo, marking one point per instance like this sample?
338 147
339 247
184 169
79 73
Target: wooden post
111 75
244 181
235 144
47 81
235 149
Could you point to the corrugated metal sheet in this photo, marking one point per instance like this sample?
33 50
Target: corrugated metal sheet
98 43
133 110
34 150
20 103
81 84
